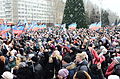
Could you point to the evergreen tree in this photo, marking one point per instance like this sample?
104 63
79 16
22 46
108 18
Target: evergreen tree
116 22
88 21
74 13
105 19
95 16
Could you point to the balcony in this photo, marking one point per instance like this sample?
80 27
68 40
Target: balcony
8 10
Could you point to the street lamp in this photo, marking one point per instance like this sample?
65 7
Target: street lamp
100 9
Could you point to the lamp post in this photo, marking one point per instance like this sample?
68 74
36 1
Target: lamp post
100 9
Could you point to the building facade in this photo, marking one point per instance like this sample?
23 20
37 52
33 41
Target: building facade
2 9
59 6
30 10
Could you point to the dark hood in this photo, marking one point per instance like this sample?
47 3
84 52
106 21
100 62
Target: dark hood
84 62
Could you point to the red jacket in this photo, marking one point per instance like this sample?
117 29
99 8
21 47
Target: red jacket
97 59
110 69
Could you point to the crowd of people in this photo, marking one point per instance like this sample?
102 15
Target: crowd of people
54 53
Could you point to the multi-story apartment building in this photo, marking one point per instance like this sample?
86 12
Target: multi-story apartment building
30 10
2 9
59 6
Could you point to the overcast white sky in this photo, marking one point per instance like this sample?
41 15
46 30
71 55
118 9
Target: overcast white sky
113 5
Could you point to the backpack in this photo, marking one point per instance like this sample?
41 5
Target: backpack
117 69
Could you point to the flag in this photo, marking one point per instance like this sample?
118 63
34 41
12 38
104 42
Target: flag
99 24
57 25
26 24
36 28
5 35
118 24
44 26
63 26
31 26
72 26
92 25
5 22
50 30
8 28
4 29
1 21
95 26
19 23
18 29
112 24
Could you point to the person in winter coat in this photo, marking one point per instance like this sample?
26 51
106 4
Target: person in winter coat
2 58
12 62
81 75
54 64
97 58
2 67
72 53
63 74
104 52
7 75
37 68
24 73
2 64
65 51
111 67
81 62
70 66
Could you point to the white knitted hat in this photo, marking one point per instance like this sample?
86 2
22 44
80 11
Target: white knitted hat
7 75
113 77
